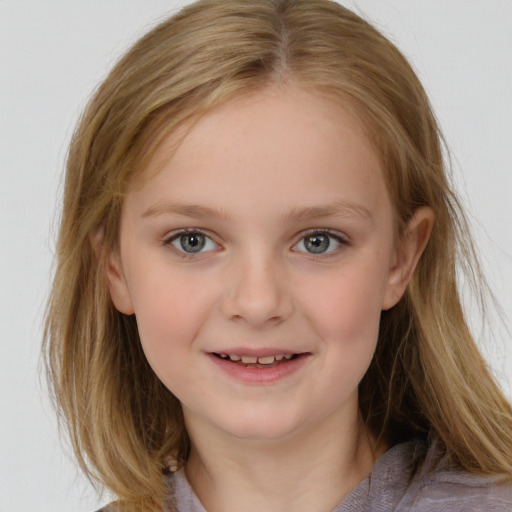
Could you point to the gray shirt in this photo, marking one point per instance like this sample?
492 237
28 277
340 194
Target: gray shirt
390 488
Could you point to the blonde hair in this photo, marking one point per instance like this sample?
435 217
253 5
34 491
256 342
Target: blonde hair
427 378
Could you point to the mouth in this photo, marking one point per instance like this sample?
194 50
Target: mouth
263 362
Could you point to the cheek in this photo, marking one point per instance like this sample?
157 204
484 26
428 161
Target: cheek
170 310
347 305
347 318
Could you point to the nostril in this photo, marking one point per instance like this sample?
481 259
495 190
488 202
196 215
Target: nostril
256 297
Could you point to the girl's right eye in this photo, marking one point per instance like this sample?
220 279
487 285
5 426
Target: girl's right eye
192 242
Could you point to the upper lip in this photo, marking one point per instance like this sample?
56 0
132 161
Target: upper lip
257 352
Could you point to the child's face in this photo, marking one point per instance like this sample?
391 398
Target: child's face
268 233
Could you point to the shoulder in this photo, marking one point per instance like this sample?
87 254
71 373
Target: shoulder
169 505
410 477
455 491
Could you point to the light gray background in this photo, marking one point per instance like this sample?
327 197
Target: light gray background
53 53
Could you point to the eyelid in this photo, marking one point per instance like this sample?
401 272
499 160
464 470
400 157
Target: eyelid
172 235
340 238
176 234
338 235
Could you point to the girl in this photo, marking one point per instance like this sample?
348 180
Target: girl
255 304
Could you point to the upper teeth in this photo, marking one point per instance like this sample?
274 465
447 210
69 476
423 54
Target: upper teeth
254 359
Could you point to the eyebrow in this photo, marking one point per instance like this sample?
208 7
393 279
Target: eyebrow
187 210
336 209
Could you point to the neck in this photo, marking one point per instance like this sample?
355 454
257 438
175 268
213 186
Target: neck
311 471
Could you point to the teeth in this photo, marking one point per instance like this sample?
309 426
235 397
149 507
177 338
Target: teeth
266 360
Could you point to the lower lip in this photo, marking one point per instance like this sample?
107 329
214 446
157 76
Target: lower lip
253 375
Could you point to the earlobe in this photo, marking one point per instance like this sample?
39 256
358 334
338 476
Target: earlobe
409 250
116 281
117 286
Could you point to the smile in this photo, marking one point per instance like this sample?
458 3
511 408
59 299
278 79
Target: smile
264 367
269 361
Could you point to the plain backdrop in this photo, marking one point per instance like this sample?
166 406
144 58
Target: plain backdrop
54 52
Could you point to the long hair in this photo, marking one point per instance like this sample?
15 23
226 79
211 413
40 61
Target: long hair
427 378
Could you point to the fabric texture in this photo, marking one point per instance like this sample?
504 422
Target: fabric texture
391 488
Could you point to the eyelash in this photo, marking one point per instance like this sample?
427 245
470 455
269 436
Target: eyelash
176 236
337 237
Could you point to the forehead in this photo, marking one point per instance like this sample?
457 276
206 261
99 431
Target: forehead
279 143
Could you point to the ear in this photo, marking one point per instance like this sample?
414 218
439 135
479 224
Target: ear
116 281
409 249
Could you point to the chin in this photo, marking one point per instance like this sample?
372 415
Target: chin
262 429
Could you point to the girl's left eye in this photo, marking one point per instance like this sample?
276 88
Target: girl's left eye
319 242
192 242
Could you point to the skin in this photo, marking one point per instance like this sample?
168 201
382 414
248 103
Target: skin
262 178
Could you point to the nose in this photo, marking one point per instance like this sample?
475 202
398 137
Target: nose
257 291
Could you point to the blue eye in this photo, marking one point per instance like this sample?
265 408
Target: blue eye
192 242
319 242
